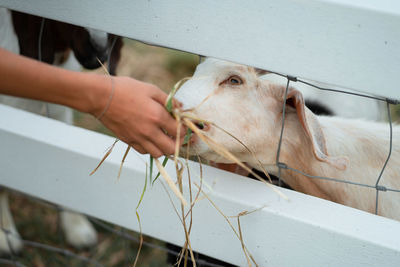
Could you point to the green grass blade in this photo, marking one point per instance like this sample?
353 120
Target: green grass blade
140 240
151 169
187 136
144 190
163 164
168 106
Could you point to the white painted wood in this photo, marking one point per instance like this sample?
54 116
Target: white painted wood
353 44
52 160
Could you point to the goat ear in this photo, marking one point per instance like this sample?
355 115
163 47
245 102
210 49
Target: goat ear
313 130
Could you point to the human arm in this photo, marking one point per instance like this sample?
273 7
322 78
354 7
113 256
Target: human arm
136 113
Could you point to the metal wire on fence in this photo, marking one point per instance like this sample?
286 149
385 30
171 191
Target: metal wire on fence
282 165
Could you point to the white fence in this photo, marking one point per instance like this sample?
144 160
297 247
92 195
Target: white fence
55 164
304 38
353 44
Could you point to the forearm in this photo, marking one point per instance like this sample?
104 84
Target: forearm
24 77
133 110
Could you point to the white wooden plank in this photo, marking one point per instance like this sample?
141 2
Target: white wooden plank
52 160
353 44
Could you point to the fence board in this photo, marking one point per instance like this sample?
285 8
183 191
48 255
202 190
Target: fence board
353 44
305 231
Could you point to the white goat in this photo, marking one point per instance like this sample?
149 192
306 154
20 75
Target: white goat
233 97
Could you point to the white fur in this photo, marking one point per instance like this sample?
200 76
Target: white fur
252 111
78 230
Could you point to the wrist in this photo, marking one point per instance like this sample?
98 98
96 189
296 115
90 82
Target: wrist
110 97
97 94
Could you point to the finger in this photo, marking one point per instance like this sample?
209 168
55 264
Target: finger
165 143
168 123
181 140
152 149
160 97
183 131
139 148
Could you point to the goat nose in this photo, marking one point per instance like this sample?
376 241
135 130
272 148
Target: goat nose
200 126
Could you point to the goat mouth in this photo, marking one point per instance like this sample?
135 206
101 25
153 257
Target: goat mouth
191 136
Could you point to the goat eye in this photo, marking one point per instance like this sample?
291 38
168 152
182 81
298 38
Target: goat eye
235 80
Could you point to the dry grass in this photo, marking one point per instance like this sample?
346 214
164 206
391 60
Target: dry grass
189 120
38 222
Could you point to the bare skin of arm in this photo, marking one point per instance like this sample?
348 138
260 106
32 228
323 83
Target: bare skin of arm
136 113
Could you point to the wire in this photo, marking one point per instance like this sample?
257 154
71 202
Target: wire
378 188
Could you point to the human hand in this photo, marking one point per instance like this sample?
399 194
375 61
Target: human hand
138 117
136 113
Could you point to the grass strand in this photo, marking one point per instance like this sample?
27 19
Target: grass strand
169 181
105 156
123 161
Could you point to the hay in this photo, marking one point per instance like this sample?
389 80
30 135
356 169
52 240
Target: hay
188 119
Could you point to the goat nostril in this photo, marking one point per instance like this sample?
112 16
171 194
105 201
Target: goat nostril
200 125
